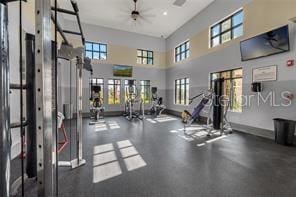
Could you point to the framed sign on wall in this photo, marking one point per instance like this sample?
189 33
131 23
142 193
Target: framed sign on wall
267 73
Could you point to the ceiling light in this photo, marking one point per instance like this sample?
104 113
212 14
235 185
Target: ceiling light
165 13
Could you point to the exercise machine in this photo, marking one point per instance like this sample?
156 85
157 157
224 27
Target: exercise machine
41 133
132 98
218 106
157 103
96 104
61 127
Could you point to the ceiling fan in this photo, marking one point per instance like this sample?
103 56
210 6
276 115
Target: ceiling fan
136 14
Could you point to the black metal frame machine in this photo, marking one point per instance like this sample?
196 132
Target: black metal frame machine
218 106
96 104
157 103
132 98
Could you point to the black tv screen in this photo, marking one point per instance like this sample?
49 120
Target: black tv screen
122 71
270 43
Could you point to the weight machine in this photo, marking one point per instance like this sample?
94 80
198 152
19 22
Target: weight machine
132 98
40 124
216 114
157 104
75 56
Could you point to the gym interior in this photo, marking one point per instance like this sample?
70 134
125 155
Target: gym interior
150 98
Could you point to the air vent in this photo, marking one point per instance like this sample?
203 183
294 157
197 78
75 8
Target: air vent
179 3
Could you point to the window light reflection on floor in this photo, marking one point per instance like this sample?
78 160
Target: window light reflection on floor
103 148
103 126
135 162
106 164
104 158
124 143
129 151
198 132
161 119
106 171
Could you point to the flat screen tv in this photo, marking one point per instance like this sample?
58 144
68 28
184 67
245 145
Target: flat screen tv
122 71
270 43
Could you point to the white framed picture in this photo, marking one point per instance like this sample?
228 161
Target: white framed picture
267 73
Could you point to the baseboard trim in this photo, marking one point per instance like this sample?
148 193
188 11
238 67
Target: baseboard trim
254 130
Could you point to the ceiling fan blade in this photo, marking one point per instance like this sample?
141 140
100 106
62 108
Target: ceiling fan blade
148 15
144 19
123 16
145 10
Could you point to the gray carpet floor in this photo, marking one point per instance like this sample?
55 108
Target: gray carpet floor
153 158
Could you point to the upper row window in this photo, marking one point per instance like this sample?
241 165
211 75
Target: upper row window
182 51
144 57
227 29
96 50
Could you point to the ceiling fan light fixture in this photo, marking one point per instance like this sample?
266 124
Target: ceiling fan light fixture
135 15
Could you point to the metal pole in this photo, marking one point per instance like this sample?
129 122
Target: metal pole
22 129
43 76
79 108
79 160
55 77
5 138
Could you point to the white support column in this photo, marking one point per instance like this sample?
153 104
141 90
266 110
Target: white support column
43 71
4 106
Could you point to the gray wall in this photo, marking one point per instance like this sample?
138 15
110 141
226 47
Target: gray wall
117 37
257 116
213 13
198 70
156 77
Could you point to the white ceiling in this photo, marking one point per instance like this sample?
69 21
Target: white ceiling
116 14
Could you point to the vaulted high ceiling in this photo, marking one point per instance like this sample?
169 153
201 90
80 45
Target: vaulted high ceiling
158 17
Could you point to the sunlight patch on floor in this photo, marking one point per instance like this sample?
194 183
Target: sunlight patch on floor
113 125
107 171
106 164
105 126
129 151
151 121
124 143
161 119
211 140
135 162
104 158
103 148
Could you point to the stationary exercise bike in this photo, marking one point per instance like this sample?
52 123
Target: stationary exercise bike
132 98
96 104
157 104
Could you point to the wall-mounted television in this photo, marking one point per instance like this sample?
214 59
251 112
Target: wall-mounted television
270 43
122 71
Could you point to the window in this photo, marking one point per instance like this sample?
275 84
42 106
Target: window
182 51
114 91
96 50
182 91
126 87
145 91
232 87
96 82
144 57
228 29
